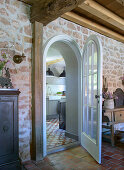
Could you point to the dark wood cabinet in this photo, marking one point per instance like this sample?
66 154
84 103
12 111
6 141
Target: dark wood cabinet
9 149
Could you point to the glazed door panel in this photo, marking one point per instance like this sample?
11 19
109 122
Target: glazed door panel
92 98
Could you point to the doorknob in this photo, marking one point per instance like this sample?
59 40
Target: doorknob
97 96
5 128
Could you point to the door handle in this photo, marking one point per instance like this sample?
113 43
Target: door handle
97 96
5 128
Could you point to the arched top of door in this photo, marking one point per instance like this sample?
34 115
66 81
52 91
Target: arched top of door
65 39
94 38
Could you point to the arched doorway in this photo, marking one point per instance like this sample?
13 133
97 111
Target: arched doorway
69 49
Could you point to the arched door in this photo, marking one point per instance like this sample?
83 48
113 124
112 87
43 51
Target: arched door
92 98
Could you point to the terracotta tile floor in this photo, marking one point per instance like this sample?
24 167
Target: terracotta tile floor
79 159
55 136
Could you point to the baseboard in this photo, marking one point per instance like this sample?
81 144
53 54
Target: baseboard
64 147
70 135
48 117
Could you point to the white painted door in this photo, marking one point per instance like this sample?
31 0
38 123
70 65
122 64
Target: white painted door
92 98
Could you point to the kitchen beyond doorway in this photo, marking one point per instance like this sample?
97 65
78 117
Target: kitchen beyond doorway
72 82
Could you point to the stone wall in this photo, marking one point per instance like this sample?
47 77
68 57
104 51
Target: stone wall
15 28
113 51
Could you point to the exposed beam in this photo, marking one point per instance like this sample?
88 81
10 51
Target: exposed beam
93 26
102 13
121 2
27 1
37 93
54 61
53 10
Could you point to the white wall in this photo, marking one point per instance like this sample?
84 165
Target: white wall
53 89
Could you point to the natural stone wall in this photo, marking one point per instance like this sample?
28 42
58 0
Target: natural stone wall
15 28
113 51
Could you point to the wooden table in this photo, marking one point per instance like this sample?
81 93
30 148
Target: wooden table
113 112
110 125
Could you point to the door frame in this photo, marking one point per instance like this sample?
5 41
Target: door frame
74 46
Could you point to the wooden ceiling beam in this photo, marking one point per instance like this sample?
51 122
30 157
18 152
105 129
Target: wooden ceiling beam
45 11
101 12
120 2
71 16
26 2
53 10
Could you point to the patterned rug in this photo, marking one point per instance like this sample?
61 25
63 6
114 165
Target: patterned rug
55 136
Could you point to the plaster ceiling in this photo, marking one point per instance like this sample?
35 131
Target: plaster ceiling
53 54
54 57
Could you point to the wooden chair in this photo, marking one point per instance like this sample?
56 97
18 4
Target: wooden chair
120 94
119 103
113 130
107 129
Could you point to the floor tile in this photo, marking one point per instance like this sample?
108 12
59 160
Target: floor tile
55 136
79 159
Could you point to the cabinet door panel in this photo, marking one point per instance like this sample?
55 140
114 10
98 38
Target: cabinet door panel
8 129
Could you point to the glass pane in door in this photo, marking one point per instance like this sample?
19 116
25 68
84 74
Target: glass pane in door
90 57
94 90
90 90
94 58
85 119
90 87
